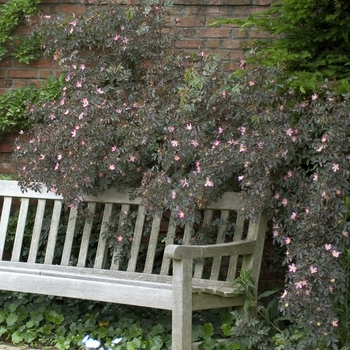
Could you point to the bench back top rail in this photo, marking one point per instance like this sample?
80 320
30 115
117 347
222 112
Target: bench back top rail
45 232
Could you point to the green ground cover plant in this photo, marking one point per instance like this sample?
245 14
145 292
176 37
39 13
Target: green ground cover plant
58 323
181 131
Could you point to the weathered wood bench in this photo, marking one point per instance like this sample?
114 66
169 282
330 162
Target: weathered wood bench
187 277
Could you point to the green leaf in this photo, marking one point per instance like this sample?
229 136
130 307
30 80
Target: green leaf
16 337
54 317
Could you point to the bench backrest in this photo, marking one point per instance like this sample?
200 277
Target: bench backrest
47 233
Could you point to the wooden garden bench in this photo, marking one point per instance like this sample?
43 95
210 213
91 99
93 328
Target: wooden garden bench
51 251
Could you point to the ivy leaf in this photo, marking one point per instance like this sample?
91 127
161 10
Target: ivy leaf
11 319
54 317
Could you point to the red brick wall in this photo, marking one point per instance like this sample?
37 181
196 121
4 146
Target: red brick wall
195 33
191 19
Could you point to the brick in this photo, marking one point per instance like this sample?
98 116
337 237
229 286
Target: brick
44 73
188 44
188 2
243 11
43 63
70 9
263 2
212 44
239 34
18 83
6 148
23 29
237 55
215 33
223 55
17 64
209 11
5 84
51 2
231 44
188 33
189 22
237 2
7 62
22 73
256 10
37 82
7 168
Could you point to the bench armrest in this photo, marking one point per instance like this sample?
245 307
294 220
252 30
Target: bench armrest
179 252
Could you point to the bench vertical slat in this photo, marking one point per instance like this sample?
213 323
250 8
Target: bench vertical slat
115 265
256 231
215 269
187 234
85 239
68 242
170 237
135 246
101 246
232 267
21 224
152 245
199 263
55 222
5 215
38 224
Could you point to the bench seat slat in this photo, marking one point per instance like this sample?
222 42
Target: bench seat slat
16 267
152 295
142 294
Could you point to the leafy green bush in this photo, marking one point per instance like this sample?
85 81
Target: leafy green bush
310 38
14 105
12 14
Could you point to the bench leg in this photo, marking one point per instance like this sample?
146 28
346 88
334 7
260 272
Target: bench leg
182 305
